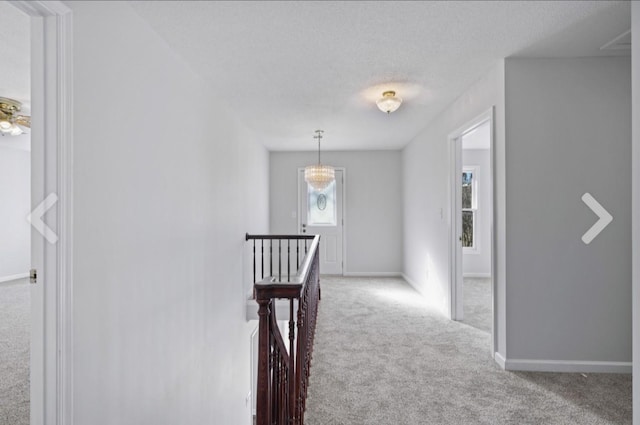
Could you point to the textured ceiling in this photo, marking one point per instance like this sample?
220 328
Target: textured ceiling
288 68
15 82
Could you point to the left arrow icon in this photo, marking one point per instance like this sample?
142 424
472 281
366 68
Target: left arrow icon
35 218
604 218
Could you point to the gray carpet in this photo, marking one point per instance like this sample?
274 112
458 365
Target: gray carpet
381 357
476 301
14 352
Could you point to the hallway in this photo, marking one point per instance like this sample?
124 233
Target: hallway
383 357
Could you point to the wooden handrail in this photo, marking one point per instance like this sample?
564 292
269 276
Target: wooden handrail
250 237
289 240
283 377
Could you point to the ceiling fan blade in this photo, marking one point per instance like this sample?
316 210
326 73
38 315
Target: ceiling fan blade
23 120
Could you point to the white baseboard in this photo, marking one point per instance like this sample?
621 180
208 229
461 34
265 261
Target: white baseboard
408 279
372 274
14 277
525 365
477 275
500 360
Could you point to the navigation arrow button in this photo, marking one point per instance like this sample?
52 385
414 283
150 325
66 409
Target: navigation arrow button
35 218
604 218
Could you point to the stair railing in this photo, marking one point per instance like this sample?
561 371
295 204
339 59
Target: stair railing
283 375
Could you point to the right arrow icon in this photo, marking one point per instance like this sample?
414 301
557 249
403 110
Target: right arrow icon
604 218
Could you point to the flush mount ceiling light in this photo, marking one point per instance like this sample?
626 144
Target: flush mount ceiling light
389 102
319 176
10 123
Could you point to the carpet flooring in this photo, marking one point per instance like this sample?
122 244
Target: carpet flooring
476 302
14 352
382 357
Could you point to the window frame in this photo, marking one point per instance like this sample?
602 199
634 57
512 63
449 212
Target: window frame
473 169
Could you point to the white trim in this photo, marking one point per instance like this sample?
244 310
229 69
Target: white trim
254 369
566 366
500 360
372 274
13 277
477 275
52 96
455 311
409 281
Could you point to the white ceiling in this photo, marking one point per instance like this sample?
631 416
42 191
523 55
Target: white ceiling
478 138
289 68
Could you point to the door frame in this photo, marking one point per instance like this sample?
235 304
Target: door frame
344 210
51 392
455 192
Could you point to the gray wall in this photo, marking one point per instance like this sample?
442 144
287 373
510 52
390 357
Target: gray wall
425 164
635 22
160 335
568 125
478 262
373 211
15 205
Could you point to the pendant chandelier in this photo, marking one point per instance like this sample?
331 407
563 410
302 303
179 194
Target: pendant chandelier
319 176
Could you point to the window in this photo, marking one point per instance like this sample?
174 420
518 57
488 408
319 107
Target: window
469 208
321 206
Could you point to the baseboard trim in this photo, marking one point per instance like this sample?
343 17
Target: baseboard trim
500 360
13 277
476 275
409 281
526 365
372 274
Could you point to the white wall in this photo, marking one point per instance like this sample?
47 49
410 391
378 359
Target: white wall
568 132
425 163
373 211
15 202
635 24
478 263
166 184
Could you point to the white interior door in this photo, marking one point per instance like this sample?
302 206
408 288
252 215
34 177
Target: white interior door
321 213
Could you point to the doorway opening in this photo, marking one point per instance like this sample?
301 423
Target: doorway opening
15 231
471 182
322 213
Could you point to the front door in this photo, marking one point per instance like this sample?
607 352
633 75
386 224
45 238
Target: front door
321 213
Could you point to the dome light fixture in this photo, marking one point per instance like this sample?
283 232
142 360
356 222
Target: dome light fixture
389 102
319 176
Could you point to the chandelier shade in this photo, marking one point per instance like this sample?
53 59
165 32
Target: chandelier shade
9 128
319 176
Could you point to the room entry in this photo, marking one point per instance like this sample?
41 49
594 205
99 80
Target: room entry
471 183
322 213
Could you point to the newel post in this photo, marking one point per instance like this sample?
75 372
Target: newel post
263 401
